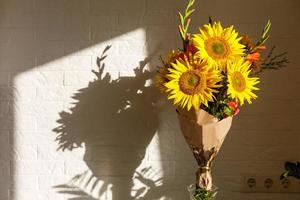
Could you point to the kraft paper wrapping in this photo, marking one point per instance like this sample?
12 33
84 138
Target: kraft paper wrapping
205 136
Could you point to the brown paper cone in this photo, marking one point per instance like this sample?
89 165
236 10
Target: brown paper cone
205 136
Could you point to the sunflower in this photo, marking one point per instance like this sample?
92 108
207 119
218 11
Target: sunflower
192 84
160 79
217 45
240 85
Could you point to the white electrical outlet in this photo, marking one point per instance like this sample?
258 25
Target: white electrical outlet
270 183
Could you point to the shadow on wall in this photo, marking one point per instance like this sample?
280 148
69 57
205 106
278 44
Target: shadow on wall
39 32
115 120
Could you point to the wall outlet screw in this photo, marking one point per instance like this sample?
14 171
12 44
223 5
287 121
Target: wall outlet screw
286 183
269 182
251 182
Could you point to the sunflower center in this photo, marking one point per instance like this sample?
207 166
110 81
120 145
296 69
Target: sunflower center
217 48
192 82
238 81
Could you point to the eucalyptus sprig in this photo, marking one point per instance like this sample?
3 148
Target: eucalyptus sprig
185 22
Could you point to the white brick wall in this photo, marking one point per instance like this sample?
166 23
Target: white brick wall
48 49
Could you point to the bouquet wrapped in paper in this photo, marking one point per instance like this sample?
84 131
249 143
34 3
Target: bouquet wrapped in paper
214 73
204 135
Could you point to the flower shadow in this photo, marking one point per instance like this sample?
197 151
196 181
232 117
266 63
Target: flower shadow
114 120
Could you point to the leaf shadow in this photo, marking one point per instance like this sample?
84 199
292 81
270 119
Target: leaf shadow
114 120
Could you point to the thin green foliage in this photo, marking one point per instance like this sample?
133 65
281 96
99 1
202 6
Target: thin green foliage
185 21
291 170
219 109
264 36
202 194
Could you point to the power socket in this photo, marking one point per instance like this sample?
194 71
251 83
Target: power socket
270 184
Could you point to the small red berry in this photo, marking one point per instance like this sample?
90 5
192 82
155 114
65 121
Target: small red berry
233 105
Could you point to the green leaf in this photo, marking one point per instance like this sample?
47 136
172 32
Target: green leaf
181 19
266 29
264 35
190 4
285 174
189 12
228 111
202 194
265 39
184 21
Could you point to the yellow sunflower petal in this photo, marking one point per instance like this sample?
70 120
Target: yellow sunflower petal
217 45
240 85
192 84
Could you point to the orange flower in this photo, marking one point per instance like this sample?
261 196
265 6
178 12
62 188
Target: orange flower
253 57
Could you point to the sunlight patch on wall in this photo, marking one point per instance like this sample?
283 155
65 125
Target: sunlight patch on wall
64 105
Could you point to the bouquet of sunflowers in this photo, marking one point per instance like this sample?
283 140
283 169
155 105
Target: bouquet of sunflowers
214 74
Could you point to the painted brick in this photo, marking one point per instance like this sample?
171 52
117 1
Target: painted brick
39 167
38 79
75 167
33 138
25 122
22 93
78 63
50 93
81 78
47 51
23 152
6 123
20 182
51 152
50 33
38 108
4 142
45 181
5 108
55 6
46 123
77 32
